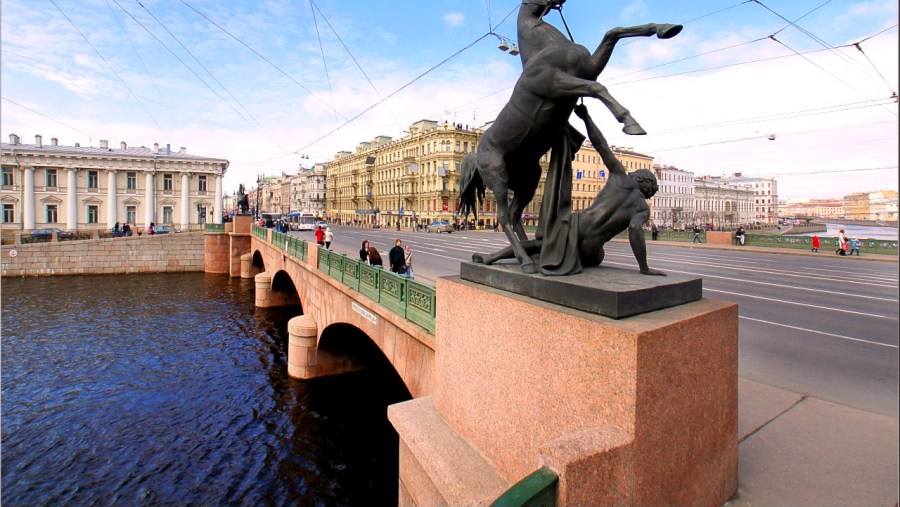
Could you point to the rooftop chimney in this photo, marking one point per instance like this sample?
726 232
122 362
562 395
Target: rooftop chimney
104 144
37 141
54 141
155 147
168 149
183 150
123 145
13 139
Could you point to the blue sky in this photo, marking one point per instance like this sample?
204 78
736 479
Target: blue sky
265 83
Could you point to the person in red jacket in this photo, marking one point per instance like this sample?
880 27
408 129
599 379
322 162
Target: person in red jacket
815 243
320 236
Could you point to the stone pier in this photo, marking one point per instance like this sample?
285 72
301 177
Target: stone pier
305 360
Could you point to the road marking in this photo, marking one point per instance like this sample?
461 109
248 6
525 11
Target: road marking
801 304
823 333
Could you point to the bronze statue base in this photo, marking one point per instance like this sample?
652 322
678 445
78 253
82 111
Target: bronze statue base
612 292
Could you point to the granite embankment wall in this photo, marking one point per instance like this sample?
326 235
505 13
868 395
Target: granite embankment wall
165 253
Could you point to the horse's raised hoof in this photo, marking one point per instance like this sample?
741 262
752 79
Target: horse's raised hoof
478 258
668 31
529 269
634 129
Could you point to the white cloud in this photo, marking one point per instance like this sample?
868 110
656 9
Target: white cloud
454 19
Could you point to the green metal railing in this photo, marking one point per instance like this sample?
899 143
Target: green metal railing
535 490
259 232
214 228
866 246
409 299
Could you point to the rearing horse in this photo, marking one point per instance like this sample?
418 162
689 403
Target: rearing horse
556 73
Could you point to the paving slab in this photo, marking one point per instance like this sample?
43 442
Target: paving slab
815 453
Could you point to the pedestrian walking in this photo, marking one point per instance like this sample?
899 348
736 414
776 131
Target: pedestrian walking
815 243
395 258
654 231
739 235
407 259
842 244
854 246
696 235
329 237
320 236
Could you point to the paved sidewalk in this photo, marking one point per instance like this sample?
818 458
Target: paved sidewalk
801 451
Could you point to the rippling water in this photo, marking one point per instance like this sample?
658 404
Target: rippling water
172 390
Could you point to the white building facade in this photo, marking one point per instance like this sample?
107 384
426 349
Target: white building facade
87 188
722 204
765 197
673 204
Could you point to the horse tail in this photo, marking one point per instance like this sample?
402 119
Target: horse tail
471 186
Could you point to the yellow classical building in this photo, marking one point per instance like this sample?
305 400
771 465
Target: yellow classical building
416 179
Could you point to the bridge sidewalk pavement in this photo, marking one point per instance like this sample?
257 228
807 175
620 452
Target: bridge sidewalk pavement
796 450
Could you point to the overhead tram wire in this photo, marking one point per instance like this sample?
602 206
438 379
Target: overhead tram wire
312 11
257 53
250 119
395 92
355 61
49 118
188 67
698 18
133 48
113 70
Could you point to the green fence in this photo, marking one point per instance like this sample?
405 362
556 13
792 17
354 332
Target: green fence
535 490
259 232
214 228
409 299
870 246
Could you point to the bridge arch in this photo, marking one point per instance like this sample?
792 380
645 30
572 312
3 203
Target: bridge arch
347 340
257 264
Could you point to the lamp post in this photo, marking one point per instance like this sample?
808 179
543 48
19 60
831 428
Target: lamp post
259 180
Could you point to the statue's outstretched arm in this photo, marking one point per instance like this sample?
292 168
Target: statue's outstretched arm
639 244
599 142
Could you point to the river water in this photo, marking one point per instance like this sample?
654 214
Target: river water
857 231
172 390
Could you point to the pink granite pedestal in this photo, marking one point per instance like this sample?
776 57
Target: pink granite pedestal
639 411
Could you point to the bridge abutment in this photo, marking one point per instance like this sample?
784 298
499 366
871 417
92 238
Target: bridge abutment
639 411
268 298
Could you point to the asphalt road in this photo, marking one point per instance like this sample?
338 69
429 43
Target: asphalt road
821 325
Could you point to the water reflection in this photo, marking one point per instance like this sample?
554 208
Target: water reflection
172 389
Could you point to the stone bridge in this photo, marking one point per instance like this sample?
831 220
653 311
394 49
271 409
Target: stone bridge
556 406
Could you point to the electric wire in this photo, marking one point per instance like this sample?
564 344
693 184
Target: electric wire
355 61
113 70
48 117
324 61
250 119
257 53
395 92
188 67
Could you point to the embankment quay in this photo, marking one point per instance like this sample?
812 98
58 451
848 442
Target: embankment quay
816 356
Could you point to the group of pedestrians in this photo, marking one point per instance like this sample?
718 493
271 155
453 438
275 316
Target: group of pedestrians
324 236
124 231
399 258
847 246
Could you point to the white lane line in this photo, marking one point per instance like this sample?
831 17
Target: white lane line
831 309
888 345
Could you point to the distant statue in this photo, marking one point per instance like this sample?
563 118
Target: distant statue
243 201
556 73
620 205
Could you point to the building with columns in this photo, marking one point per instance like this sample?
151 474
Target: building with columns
673 205
723 203
87 188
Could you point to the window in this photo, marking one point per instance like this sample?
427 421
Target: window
93 179
131 180
201 183
167 182
201 213
8 179
9 213
130 214
93 214
51 178
52 214
167 215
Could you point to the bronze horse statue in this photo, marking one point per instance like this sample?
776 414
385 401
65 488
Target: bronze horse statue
556 73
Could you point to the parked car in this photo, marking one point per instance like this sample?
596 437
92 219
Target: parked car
439 226
46 234
162 229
